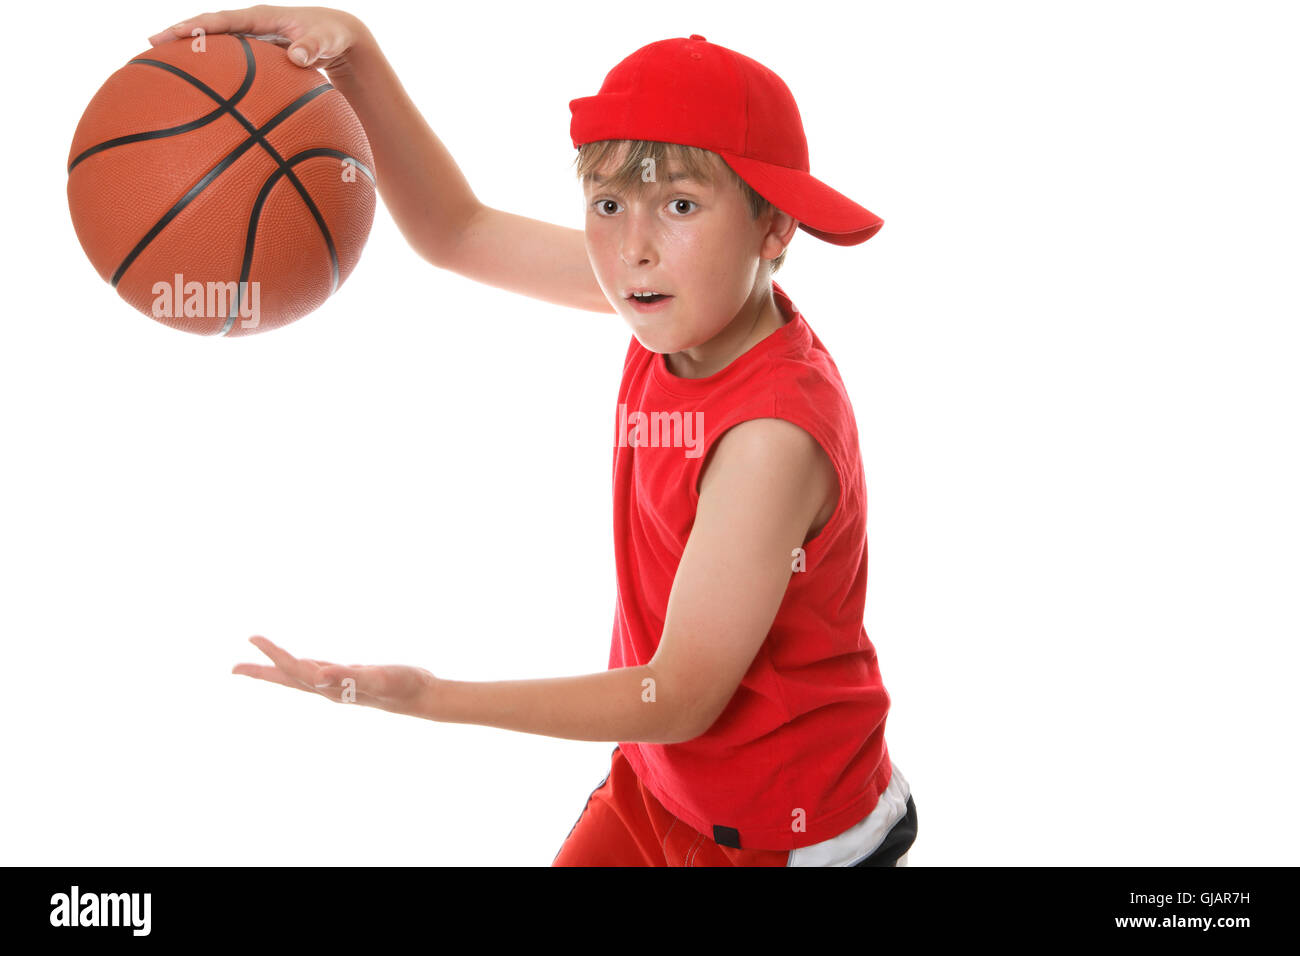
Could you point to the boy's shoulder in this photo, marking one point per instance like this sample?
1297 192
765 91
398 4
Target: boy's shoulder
791 463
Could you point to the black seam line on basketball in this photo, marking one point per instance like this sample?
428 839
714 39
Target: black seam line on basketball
215 171
227 106
153 134
255 135
316 214
302 190
254 217
306 198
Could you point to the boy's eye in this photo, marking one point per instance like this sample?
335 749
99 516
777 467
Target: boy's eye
602 205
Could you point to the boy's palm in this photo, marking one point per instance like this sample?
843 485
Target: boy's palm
392 687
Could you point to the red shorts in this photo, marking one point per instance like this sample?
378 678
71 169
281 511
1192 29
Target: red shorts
624 825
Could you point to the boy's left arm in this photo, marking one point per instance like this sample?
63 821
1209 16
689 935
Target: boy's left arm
760 492
759 495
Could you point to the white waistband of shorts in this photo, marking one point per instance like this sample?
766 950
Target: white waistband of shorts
864 837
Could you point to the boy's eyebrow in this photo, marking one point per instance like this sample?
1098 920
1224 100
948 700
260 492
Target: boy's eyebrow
600 180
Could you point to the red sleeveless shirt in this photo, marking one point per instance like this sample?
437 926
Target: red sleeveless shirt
799 753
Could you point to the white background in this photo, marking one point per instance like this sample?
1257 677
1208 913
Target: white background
1071 351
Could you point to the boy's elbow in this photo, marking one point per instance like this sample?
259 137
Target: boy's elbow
691 704
678 736
441 243
692 722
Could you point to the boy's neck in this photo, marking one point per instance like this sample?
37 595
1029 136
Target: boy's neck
757 319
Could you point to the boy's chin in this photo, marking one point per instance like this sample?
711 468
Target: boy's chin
664 337
660 341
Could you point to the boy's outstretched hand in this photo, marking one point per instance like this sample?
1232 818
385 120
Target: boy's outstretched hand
391 687
315 36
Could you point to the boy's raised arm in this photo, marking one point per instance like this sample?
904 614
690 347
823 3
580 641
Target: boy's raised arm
432 202
421 185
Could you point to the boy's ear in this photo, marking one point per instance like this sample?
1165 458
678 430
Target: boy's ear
779 234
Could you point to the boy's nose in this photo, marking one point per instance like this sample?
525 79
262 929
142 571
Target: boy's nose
638 239
637 254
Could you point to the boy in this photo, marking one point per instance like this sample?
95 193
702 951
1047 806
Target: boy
742 689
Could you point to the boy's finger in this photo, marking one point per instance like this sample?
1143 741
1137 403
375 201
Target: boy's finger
272 674
225 21
165 36
282 658
305 51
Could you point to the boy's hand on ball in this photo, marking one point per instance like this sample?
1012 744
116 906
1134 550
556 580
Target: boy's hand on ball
391 687
315 36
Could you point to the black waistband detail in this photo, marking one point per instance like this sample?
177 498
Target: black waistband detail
726 836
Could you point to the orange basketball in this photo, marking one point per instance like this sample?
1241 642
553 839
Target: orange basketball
219 188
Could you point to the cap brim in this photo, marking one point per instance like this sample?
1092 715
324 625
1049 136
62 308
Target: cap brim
820 210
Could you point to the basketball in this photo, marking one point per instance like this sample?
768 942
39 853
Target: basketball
219 188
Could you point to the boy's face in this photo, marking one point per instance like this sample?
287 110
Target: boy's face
694 242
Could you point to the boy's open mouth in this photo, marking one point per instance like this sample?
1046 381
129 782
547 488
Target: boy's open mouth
647 300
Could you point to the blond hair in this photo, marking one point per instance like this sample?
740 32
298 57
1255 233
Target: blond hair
701 164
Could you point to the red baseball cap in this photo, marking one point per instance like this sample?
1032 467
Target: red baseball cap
696 93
